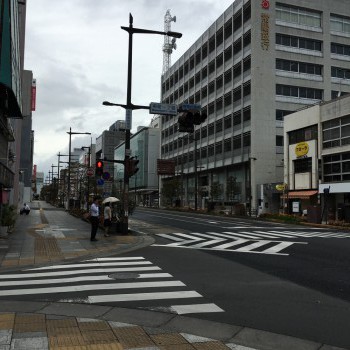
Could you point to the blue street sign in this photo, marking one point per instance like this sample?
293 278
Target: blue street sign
100 182
190 107
162 108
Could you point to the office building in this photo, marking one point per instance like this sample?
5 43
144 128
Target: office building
317 153
258 62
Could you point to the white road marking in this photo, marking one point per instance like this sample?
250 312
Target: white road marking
89 287
196 308
77 279
79 272
143 296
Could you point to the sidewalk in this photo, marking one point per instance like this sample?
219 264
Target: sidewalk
50 235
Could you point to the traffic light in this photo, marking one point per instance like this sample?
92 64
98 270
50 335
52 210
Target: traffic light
199 118
133 169
185 122
99 168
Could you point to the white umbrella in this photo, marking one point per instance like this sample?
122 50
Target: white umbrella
110 200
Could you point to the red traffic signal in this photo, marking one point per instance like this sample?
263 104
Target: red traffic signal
99 168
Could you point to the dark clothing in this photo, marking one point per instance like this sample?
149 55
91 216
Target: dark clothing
107 223
94 226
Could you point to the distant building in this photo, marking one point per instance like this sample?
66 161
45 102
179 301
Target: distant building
144 145
105 144
258 62
317 159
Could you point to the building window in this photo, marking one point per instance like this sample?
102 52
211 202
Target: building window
299 16
341 73
228 76
228 28
298 42
228 53
279 140
336 132
340 49
227 145
340 24
300 92
298 67
303 165
305 134
280 114
336 167
228 122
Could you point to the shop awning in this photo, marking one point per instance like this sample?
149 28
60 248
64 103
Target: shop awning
300 194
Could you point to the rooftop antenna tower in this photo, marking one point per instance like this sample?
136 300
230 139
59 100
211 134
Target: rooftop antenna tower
169 45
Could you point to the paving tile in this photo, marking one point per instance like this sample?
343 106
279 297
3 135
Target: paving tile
29 318
5 337
71 331
29 335
114 346
211 345
29 327
6 325
133 337
29 343
96 326
96 337
168 339
66 340
5 317
177 347
63 323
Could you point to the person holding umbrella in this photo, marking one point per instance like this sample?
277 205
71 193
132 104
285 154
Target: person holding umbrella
107 216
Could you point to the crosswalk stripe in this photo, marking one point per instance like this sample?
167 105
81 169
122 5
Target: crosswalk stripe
231 244
252 246
78 272
90 287
143 296
270 234
277 248
77 279
243 234
195 308
97 264
117 259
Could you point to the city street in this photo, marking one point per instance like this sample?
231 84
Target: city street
289 280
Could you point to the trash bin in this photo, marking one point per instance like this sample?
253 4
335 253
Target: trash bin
314 214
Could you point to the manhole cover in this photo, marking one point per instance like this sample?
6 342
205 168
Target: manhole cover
124 276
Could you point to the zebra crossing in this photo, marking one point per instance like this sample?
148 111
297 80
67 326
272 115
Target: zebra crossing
253 241
116 280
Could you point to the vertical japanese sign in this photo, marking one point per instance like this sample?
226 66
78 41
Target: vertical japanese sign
33 102
265 26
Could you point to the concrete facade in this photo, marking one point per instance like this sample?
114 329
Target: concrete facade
317 153
258 62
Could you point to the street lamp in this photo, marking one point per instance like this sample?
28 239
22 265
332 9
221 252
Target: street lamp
70 132
129 107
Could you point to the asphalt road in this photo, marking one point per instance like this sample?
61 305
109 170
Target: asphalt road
291 280
302 290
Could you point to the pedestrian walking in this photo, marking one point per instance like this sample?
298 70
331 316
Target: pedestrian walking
25 209
107 222
94 218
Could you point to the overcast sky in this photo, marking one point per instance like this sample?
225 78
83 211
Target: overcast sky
78 54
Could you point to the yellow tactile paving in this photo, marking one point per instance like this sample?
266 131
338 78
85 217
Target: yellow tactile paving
133 337
95 326
168 339
177 347
211 345
96 337
66 340
29 318
5 317
30 327
63 323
